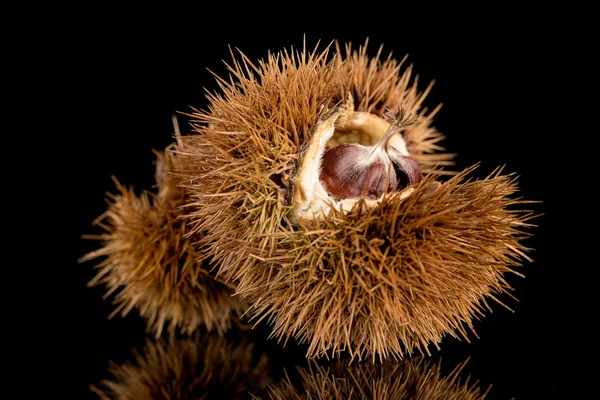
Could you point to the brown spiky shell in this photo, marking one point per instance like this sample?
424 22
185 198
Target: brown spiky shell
150 264
415 379
377 282
202 366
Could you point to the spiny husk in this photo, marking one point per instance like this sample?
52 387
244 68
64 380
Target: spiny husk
150 263
415 379
199 367
379 282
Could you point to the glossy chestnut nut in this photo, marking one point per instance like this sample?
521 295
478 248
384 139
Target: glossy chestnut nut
354 170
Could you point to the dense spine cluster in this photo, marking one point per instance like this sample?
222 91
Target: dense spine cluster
149 262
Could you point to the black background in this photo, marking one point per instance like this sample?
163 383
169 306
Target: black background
115 88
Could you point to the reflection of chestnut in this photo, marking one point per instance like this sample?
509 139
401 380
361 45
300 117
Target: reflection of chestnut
354 170
200 366
413 378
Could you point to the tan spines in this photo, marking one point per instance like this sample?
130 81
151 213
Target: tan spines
149 263
394 279
198 367
246 149
377 83
378 283
414 379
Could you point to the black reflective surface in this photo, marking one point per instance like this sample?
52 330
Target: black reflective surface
123 89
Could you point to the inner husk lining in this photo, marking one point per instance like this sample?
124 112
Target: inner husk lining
362 128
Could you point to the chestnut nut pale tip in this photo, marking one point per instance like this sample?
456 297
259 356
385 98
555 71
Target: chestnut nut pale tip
354 170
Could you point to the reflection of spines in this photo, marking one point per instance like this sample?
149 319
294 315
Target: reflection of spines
209 367
150 261
414 379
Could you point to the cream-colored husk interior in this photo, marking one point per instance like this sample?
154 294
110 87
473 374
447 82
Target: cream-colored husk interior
311 200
